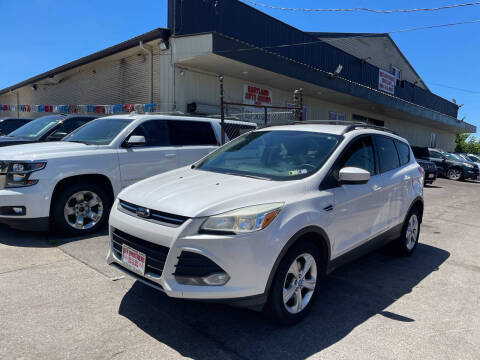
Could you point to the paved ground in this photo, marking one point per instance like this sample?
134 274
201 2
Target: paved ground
59 300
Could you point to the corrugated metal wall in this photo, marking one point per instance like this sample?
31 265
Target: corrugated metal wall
122 78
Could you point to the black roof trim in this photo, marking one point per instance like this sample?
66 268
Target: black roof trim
331 35
149 36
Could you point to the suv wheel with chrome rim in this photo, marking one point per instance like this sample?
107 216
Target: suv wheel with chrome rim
296 283
408 240
81 209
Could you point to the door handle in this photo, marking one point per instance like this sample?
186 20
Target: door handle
328 208
170 155
376 188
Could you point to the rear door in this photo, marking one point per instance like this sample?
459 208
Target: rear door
439 160
192 139
155 157
393 177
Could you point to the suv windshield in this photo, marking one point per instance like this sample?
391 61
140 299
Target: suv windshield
274 155
98 132
37 128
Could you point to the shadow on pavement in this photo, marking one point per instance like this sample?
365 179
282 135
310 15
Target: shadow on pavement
349 297
13 237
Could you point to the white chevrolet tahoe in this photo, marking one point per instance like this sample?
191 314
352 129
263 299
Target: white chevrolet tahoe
262 219
72 184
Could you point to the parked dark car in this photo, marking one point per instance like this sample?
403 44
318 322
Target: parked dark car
9 124
430 170
449 165
45 128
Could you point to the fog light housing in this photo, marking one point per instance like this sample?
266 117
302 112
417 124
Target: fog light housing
13 210
216 279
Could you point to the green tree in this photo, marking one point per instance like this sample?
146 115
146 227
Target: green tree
466 144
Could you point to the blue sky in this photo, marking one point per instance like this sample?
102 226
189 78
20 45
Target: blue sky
38 35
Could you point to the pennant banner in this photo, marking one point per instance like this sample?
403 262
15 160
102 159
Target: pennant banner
75 109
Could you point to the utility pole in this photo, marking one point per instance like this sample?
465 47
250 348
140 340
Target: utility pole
222 112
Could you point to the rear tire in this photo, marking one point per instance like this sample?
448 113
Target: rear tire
295 285
408 240
81 209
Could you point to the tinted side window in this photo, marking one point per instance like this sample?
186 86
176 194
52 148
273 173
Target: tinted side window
386 154
184 132
72 124
403 152
359 154
154 131
436 155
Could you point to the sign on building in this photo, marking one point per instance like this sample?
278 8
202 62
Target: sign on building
255 95
386 82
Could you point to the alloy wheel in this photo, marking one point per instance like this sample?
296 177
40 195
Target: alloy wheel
412 232
454 174
299 283
83 210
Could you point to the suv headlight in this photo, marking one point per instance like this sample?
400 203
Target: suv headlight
244 220
18 173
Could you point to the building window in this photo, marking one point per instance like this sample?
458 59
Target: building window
397 73
333 115
367 120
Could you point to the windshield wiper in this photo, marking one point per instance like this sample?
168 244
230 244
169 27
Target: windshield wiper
250 176
77 141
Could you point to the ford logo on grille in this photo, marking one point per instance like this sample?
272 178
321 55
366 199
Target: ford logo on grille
143 212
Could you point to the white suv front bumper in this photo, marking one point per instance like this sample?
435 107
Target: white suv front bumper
247 259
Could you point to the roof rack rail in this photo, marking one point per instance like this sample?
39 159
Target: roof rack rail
350 125
176 112
367 126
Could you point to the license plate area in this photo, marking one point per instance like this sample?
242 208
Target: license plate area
431 176
134 259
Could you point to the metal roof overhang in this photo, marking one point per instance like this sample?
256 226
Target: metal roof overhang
128 44
231 57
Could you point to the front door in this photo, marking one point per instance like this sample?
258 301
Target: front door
155 157
355 214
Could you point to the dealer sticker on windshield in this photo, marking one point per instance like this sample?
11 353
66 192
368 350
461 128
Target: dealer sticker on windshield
297 172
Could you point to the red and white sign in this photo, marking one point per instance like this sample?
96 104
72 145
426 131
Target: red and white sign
386 82
134 259
255 95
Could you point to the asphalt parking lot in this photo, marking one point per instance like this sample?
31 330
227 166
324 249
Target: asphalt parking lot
59 300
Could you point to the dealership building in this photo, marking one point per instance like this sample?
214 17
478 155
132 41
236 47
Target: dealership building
343 76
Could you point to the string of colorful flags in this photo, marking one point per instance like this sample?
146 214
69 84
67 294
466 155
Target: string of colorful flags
75 109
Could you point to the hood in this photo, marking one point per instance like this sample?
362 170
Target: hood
15 140
197 193
41 151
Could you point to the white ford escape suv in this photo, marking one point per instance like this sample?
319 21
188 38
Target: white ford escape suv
263 218
72 184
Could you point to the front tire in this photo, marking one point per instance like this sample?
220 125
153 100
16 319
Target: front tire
408 240
295 285
81 209
455 174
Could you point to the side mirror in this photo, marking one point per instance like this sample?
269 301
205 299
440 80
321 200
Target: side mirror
57 135
353 175
135 140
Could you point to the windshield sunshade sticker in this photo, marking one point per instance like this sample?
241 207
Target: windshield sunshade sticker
297 172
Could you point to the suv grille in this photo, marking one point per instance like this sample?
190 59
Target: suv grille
156 254
165 218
